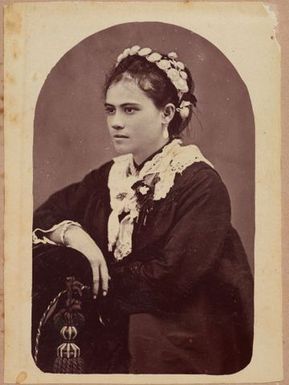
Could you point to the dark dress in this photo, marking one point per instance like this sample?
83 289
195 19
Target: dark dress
181 302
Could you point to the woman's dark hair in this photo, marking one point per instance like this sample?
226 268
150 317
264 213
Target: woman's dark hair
156 84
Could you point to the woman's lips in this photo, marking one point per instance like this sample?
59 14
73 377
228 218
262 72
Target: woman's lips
119 136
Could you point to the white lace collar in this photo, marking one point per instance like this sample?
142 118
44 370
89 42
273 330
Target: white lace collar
173 159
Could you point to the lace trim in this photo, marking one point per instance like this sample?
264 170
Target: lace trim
44 240
174 159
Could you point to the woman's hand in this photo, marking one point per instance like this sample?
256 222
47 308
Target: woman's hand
80 240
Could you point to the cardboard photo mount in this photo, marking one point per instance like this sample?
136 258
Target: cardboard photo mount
250 26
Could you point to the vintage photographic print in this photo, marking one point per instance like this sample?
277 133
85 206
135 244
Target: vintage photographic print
138 148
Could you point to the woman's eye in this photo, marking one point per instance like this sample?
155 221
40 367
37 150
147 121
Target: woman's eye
109 110
130 110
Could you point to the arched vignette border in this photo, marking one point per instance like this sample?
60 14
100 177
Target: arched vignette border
69 126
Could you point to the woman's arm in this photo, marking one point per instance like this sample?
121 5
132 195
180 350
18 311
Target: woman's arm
58 221
72 235
66 204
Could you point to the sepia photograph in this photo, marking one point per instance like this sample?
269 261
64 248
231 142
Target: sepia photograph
143 186
149 233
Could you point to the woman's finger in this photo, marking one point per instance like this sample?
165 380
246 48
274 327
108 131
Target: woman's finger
95 274
104 277
95 288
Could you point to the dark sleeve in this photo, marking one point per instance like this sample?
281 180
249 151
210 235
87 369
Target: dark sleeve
191 249
70 202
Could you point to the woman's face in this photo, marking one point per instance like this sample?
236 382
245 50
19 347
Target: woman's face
134 122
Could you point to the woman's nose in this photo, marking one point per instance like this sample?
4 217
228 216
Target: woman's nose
117 121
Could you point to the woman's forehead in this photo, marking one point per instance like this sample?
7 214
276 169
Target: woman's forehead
125 91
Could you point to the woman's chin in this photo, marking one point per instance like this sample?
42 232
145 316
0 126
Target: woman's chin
122 148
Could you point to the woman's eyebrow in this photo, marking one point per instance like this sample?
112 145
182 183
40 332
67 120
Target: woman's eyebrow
123 104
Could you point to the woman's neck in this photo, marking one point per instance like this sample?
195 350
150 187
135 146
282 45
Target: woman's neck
141 158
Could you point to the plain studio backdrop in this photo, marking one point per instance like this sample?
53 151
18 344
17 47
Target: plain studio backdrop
70 133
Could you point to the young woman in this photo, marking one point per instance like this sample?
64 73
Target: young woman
150 233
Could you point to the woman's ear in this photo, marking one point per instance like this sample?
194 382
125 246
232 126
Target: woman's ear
168 113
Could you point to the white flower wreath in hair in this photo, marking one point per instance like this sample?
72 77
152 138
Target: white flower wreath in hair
175 71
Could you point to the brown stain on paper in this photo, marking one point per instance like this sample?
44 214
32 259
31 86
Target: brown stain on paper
15 51
21 378
13 118
13 22
9 78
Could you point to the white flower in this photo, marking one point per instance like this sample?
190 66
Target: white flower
180 65
144 51
153 57
183 75
134 50
181 85
126 52
173 74
172 55
143 190
163 64
184 112
185 89
120 58
123 55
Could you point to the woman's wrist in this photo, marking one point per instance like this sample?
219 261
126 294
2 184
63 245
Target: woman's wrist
63 236
57 234
77 238
54 235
